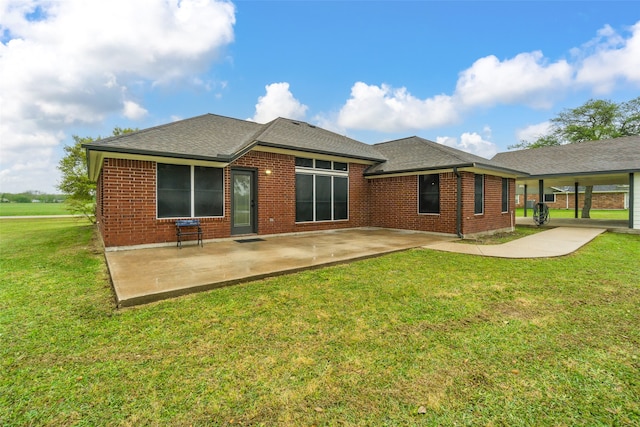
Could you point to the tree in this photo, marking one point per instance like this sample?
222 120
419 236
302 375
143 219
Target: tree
75 183
595 120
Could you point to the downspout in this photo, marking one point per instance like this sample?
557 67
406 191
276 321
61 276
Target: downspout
459 203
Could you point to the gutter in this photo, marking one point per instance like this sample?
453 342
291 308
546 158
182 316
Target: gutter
466 166
153 153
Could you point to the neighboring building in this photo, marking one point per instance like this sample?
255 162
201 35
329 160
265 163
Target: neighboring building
287 176
604 197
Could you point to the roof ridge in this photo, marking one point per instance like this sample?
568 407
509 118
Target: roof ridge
394 140
263 128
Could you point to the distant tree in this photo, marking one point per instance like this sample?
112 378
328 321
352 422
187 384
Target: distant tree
595 120
75 183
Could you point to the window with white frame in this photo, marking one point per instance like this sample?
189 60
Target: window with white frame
322 190
550 198
189 191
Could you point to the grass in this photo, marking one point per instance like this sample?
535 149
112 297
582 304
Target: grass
473 340
30 209
616 214
502 237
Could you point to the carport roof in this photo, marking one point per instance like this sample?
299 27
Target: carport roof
618 155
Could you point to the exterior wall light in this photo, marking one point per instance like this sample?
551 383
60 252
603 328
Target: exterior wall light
267 172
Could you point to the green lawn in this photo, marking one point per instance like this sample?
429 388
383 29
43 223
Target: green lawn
22 209
620 214
472 340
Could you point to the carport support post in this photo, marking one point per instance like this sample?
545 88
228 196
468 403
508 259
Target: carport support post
525 200
541 190
575 207
631 199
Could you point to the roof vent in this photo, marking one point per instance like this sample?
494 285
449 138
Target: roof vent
311 126
295 123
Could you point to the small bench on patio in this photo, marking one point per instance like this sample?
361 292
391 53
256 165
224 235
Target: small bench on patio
192 227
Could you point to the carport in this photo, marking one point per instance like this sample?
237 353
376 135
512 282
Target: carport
607 162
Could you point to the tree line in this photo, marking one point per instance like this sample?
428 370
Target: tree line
32 197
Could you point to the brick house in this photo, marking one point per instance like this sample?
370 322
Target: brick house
286 176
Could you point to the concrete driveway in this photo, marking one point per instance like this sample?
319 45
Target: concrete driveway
144 275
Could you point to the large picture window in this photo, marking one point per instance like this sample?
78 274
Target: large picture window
189 191
478 205
322 190
429 194
505 195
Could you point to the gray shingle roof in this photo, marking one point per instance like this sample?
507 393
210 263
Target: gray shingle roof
415 154
209 137
213 137
294 134
611 155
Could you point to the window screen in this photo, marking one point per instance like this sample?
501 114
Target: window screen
176 195
478 205
208 199
340 198
505 195
304 197
174 191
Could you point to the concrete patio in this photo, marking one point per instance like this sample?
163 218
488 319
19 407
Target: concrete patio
140 276
144 275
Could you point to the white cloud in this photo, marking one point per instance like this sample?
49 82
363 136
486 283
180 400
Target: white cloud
609 58
133 110
528 78
487 131
68 63
532 132
471 142
383 108
278 102
525 79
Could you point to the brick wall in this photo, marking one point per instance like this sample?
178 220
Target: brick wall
394 204
492 218
126 201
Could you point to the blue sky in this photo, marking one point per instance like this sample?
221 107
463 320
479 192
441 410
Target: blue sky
476 75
